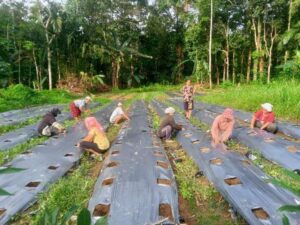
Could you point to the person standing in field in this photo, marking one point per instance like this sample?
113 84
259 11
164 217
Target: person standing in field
118 115
79 106
96 141
168 126
264 119
222 128
188 103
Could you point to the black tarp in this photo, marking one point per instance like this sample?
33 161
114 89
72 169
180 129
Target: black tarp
18 136
274 148
134 196
43 164
287 128
242 184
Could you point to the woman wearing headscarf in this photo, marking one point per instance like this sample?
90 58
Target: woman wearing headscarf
264 118
168 126
96 142
222 127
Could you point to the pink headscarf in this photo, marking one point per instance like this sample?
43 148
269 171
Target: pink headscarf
228 114
91 122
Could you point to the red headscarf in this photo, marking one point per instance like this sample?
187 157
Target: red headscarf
91 122
228 114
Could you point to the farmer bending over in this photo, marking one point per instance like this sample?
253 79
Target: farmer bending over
168 126
96 141
264 119
79 106
48 126
118 115
222 128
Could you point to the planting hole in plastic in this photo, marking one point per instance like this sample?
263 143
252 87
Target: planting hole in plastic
162 164
269 140
68 155
2 211
101 210
112 164
232 181
158 154
7 140
26 153
108 181
165 211
216 161
195 141
187 135
260 213
205 150
114 153
164 181
53 167
33 184
246 162
292 149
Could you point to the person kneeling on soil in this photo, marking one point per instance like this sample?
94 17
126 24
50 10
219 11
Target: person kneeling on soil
96 142
222 128
264 119
168 126
118 115
79 106
49 126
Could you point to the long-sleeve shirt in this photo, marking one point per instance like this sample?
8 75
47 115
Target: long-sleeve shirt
168 120
222 128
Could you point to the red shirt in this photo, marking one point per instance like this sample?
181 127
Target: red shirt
268 117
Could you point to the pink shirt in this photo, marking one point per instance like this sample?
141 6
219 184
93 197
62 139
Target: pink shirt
267 117
222 128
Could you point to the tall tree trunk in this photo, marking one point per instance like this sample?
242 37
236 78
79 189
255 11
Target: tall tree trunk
210 45
115 72
249 66
180 57
286 54
49 58
224 70
259 59
269 47
35 66
233 67
227 50
19 64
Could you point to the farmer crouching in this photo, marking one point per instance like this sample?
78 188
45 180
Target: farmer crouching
264 119
49 126
168 126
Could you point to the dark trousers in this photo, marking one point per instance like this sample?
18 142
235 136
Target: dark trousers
91 145
271 128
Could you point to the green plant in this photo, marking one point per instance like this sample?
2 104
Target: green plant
288 208
6 171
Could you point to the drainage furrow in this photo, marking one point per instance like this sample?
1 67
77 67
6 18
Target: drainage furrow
136 184
43 165
242 184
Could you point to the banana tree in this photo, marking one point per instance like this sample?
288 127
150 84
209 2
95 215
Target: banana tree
117 50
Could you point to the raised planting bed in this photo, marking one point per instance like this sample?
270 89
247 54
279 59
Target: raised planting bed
242 184
136 184
43 165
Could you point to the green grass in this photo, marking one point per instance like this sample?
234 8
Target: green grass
284 96
19 96
5 129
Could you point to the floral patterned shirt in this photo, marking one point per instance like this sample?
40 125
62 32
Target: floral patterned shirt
188 92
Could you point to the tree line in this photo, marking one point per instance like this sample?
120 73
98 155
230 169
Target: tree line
134 42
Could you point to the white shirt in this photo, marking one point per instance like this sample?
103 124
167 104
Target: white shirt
118 111
79 103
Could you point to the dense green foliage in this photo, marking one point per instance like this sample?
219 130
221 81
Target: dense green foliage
20 96
134 42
